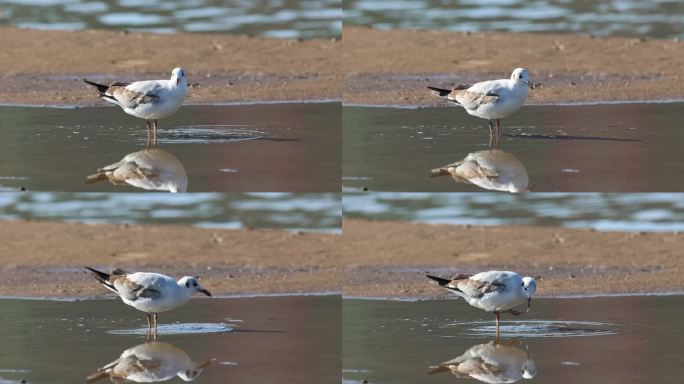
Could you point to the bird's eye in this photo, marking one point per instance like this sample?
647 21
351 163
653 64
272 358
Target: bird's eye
520 76
523 283
194 283
526 288
187 284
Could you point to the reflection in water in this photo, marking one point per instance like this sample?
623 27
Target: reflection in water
150 363
489 169
151 169
494 362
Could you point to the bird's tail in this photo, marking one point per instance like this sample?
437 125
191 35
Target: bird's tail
441 92
437 369
100 87
439 172
439 280
100 374
102 277
94 178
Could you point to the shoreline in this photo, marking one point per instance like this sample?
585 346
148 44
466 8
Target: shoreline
372 259
225 67
566 68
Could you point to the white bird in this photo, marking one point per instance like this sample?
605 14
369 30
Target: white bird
489 169
150 363
492 100
150 100
493 291
149 292
151 169
493 362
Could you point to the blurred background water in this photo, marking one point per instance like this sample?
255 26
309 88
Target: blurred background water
653 18
657 212
276 18
304 212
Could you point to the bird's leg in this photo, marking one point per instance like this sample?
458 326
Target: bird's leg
149 325
498 132
497 323
491 133
148 123
155 325
155 132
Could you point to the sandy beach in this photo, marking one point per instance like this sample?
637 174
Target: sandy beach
368 66
394 67
46 67
371 259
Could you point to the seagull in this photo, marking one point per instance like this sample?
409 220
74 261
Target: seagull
489 169
149 100
151 169
150 363
493 362
491 100
149 292
493 291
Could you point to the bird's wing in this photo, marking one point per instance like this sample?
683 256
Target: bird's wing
137 286
132 170
478 288
134 94
478 94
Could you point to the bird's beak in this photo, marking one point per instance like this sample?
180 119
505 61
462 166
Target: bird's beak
529 301
204 291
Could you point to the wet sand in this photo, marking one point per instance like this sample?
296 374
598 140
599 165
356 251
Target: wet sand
378 259
45 259
46 67
395 67
377 67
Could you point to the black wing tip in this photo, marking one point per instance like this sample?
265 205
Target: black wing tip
101 88
441 281
441 92
99 275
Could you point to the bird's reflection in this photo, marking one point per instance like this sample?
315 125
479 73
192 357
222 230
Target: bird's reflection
494 362
491 169
151 169
150 362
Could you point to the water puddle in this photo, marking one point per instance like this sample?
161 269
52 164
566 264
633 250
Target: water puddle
658 212
177 329
293 211
291 19
584 148
269 147
529 329
72 342
659 18
557 341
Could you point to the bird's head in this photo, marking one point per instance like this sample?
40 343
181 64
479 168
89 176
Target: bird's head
529 369
521 75
192 284
193 372
528 286
178 75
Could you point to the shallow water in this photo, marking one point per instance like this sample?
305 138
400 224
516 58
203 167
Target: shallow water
619 340
255 148
588 148
306 211
64 342
655 18
659 212
280 19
